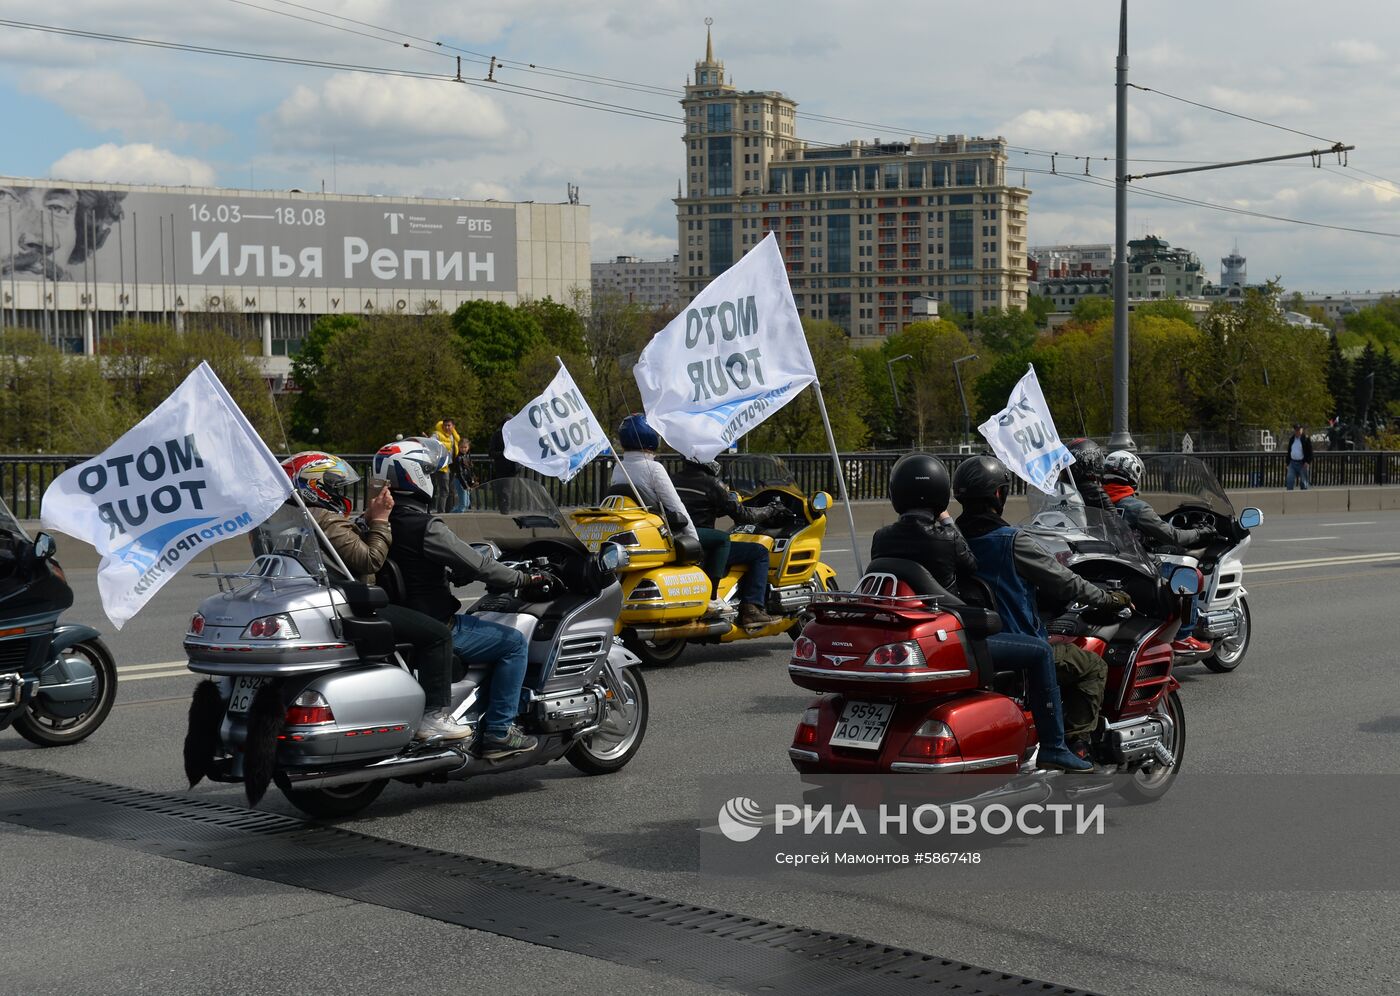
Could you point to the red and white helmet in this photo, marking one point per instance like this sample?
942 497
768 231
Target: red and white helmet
321 479
409 464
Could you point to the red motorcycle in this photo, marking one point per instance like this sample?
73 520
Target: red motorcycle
908 684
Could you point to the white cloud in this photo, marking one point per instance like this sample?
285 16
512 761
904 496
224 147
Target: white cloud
108 101
614 240
1354 52
395 119
1053 129
1264 103
137 163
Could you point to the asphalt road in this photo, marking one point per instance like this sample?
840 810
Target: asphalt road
1318 693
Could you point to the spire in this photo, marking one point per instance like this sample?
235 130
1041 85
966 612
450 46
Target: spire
709 44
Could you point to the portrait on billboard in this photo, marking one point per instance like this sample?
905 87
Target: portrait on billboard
46 232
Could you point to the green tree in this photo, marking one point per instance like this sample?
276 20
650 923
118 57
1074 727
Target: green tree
1253 369
1088 310
53 401
492 339
1003 331
797 426
309 411
1168 307
928 392
399 374
561 325
1339 382
1040 307
616 332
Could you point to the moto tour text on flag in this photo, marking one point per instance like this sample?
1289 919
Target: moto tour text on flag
556 433
1023 436
189 474
735 356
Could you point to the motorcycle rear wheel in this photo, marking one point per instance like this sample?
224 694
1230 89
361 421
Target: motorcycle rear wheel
1149 786
38 726
1229 652
614 744
334 803
658 653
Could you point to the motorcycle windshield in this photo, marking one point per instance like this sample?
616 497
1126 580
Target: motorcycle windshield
1066 528
289 532
1171 480
750 474
9 524
512 510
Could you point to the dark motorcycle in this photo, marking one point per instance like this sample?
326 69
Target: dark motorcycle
57 682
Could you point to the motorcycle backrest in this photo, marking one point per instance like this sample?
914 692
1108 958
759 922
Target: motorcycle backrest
627 491
373 638
362 598
979 622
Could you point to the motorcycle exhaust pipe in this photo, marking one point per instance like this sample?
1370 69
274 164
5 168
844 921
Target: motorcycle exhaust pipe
393 767
684 631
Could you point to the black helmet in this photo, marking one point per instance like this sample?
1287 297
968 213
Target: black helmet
981 477
710 467
919 480
1088 461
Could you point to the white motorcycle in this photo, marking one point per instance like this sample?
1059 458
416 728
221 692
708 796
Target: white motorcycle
1188 495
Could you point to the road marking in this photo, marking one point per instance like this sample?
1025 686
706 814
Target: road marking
1298 565
122 677
1329 525
836 549
1301 539
1314 580
149 667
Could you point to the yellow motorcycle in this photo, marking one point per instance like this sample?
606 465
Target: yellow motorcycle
666 594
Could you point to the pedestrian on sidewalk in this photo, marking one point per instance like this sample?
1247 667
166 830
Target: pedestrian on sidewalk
1299 457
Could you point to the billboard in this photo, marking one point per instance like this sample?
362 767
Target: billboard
49 231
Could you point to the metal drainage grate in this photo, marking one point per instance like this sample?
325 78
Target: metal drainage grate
708 946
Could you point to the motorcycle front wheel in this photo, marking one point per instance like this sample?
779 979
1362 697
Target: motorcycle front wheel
1229 652
334 803
619 733
39 726
1152 784
654 653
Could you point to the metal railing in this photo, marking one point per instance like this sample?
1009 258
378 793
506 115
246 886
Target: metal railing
23 479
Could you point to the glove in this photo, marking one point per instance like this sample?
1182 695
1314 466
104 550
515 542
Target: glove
540 585
1120 599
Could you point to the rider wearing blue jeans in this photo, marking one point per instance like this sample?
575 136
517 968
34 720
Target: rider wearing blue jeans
1017 570
431 558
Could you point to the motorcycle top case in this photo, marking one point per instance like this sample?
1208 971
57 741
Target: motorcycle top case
845 639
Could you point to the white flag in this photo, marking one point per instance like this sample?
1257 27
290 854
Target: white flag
734 357
189 474
557 433
1023 436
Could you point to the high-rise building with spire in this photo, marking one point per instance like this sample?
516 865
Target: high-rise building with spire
867 229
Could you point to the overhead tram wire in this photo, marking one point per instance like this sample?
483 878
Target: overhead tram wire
1233 114
590 104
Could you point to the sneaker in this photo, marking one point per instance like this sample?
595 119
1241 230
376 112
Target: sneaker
752 616
496 746
1190 645
1061 759
439 723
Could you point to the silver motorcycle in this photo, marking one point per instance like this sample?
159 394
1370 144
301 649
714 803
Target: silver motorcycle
1188 495
308 689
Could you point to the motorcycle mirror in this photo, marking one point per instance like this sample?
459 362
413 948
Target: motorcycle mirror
1185 581
1251 517
821 501
613 556
44 546
487 549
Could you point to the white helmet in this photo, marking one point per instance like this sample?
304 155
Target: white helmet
1122 467
409 464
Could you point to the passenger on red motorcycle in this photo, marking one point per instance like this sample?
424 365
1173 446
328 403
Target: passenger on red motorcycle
1122 473
1018 570
924 533
1087 473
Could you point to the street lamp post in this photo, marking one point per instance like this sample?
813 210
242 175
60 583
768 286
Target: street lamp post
962 395
889 369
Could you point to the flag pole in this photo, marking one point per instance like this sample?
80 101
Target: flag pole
325 542
840 476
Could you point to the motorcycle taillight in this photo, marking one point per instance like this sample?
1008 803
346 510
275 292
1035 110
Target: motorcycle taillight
932 741
806 734
309 709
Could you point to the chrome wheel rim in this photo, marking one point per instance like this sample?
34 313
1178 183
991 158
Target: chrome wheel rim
621 721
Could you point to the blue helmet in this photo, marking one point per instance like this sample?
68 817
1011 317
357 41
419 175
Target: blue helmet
635 434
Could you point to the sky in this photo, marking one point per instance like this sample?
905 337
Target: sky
1039 74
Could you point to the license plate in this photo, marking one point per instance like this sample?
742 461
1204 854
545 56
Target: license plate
244 688
862 725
